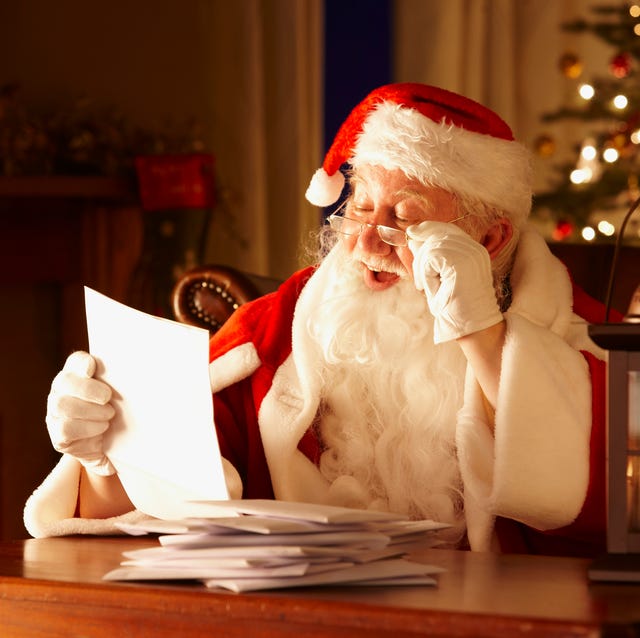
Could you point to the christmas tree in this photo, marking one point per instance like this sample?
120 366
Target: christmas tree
589 194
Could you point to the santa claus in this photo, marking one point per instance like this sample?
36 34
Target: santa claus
434 362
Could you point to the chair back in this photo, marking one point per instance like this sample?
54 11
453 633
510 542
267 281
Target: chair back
207 295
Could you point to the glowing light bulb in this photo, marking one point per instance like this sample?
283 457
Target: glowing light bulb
634 11
589 152
635 136
636 29
620 101
606 228
610 155
588 233
580 175
586 91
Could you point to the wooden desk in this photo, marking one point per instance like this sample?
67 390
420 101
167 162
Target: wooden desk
53 587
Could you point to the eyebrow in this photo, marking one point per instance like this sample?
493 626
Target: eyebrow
408 192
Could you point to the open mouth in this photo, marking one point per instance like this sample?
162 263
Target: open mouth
379 279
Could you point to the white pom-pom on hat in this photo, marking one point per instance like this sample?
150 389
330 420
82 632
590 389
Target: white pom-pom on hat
325 189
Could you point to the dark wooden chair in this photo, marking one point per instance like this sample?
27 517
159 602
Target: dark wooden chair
207 295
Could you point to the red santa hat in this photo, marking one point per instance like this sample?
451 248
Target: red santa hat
440 138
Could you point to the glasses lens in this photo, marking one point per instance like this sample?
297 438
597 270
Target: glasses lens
393 236
348 226
344 225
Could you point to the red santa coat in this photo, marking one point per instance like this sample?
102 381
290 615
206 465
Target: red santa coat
535 473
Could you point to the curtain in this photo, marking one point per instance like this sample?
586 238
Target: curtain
264 101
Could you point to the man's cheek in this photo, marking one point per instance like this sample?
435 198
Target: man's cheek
349 242
406 259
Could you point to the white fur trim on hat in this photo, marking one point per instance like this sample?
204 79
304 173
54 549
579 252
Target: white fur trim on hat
495 171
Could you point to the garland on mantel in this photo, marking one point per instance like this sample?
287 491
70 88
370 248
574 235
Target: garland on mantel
81 138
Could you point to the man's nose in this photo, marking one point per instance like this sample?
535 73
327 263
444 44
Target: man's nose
370 241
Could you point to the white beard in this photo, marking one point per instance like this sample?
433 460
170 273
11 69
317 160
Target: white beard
389 399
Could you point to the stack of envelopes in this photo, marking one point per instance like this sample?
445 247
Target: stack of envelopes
248 545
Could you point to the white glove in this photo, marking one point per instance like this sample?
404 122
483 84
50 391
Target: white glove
78 413
454 270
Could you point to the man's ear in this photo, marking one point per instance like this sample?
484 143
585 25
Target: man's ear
497 236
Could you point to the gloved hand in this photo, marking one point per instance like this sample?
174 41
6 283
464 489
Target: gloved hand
455 273
78 413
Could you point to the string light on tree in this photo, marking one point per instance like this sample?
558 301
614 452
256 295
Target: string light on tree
606 228
588 167
620 102
586 91
610 155
589 152
634 12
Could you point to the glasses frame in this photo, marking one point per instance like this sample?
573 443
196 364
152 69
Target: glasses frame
378 227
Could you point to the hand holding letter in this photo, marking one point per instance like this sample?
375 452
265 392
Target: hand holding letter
78 413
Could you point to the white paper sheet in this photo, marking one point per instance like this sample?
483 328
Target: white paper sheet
259 552
311 512
368 540
394 571
162 440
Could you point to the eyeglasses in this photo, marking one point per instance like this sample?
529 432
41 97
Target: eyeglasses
348 226
391 236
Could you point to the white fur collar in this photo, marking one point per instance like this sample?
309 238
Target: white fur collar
541 285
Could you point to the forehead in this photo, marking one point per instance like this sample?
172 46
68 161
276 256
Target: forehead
377 182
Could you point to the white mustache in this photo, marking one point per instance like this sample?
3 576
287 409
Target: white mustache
382 265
